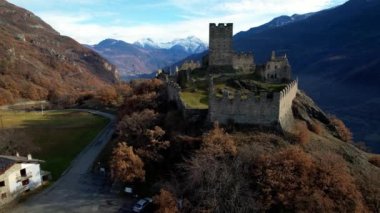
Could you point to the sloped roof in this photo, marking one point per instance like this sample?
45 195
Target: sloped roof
7 161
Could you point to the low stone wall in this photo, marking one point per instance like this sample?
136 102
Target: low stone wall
190 115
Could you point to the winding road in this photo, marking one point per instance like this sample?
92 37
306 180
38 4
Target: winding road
77 190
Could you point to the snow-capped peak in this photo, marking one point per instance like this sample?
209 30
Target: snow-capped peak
146 43
191 44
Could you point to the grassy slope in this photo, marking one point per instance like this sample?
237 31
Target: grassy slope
60 135
195 100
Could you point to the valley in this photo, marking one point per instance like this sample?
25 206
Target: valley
110 106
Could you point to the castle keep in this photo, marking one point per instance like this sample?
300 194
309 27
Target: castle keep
231 88
220 45
221 54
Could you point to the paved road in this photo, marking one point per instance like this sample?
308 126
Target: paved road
78 190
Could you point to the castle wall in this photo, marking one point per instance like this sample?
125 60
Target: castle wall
173 91
220 45
190 115
263 110
250 110
243 62
287 96
190 65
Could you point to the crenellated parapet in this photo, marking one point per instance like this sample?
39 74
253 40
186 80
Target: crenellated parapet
290 89
264 108
220 45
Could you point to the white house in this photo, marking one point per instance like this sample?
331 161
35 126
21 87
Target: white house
18 175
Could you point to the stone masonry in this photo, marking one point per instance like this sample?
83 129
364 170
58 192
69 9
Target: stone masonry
220 45
262 109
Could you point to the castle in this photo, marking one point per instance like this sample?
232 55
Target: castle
239 91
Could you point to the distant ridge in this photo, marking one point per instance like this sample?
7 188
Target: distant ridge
146 56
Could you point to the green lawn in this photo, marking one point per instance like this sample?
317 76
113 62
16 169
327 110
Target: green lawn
59 135
195 100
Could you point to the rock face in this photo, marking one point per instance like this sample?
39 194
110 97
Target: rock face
36 61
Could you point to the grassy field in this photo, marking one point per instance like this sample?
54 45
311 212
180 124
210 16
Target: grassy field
59 135
195 100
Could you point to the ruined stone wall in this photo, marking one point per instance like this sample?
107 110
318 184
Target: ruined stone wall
287 96
190 115
265 109
243 62
244 110
277 70
173 91
220 45
190 65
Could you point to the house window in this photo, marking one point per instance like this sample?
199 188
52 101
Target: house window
25 182
4 195
2 183
23 172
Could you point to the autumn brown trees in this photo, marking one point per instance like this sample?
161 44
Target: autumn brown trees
293 180
166 202
253 171
125 165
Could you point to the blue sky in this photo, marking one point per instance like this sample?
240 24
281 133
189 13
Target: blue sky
90 21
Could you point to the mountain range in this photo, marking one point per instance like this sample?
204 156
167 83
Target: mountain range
36 62
190 44
145 56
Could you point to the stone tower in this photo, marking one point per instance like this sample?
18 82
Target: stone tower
220 45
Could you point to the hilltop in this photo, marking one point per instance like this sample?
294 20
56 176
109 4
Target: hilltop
334 54
231 135
37 63
240 168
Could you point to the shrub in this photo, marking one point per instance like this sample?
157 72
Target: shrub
375 160
218 143
344 132
316 128
303 135
166 202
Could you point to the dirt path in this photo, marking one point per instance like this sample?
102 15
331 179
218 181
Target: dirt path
77 190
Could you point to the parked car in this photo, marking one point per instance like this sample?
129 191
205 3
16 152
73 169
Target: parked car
142 204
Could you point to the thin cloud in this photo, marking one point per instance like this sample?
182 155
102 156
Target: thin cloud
92 24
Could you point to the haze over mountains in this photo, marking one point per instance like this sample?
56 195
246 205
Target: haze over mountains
146 56
36 62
